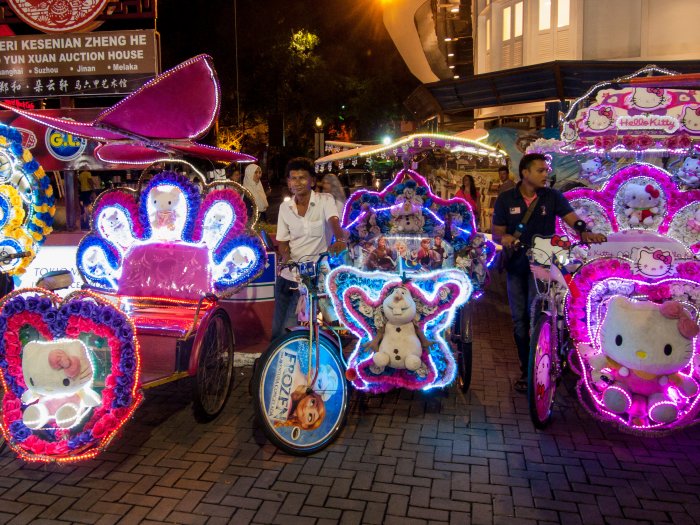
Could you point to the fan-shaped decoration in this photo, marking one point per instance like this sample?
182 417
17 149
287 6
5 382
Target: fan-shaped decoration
400 325
171 241
26 201
639 197
405 228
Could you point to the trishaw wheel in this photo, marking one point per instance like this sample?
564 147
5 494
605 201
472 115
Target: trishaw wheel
297 419
541 386
464 365
212 384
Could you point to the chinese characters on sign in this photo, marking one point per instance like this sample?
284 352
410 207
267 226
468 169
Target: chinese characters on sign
103 63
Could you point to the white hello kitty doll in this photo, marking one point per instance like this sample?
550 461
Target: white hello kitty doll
164 213
641 204
58 375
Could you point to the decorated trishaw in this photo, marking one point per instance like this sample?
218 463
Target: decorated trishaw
630 305
414 260
155 264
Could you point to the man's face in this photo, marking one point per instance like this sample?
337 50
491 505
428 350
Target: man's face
300 182
503 175
536 174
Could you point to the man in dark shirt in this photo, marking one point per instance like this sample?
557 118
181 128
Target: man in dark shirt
508 212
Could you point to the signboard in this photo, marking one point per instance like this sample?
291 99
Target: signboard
104 63
61 16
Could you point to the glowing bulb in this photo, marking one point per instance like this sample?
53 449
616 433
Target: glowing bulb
456 76
386 140
450 54
451 66
448 39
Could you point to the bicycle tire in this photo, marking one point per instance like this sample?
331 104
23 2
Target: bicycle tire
211 386
464 365
275 407
540 385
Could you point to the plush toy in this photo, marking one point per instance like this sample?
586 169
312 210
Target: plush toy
58 376
641 204
694 222
689 173
644 346
165 202
407 212
398 344
593 171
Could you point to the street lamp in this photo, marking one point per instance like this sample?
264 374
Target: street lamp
319 140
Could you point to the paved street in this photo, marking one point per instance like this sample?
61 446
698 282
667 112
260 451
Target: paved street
403 458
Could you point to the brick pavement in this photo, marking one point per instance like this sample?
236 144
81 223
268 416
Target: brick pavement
405 458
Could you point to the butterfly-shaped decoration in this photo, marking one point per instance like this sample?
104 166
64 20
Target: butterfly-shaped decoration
400 325
161 119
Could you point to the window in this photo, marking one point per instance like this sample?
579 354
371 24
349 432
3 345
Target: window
488 34
518 29
563 7
545 15
506 23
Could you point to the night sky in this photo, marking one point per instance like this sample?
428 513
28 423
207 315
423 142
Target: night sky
187 29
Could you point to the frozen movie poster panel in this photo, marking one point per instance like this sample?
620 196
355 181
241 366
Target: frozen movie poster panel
392 253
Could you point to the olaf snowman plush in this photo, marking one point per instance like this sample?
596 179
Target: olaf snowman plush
398 344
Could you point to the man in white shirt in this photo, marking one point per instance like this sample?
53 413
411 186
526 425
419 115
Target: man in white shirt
305 227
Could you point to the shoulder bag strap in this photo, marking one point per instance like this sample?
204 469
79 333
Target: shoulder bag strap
523 222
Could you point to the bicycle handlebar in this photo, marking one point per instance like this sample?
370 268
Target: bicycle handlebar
4 259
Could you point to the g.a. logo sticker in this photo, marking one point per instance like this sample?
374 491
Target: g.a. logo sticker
58 16
64 146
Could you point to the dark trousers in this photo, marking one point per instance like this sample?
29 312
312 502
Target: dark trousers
521 293
286 299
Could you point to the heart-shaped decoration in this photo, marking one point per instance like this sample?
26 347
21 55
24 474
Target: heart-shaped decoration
70 371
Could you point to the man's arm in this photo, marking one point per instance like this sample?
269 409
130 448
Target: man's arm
340 236
499 231
577 224
283 250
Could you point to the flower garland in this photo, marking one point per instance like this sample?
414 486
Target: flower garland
80 315
37 224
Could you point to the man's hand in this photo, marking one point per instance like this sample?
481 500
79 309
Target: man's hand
509 241
337 247
593 238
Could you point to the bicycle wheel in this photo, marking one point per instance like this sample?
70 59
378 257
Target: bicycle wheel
211 386
297 419
464 365
541 386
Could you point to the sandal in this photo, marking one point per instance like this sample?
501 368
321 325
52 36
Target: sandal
521 385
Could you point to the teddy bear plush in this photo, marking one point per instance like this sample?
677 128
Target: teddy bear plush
641 204
58 376
398 344
637 364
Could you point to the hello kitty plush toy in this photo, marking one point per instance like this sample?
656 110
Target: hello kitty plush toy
58 376
399 344
641 204
165 201
644 346
593 171
689 173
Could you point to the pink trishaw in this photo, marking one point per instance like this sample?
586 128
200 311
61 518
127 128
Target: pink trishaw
624 314
156 264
